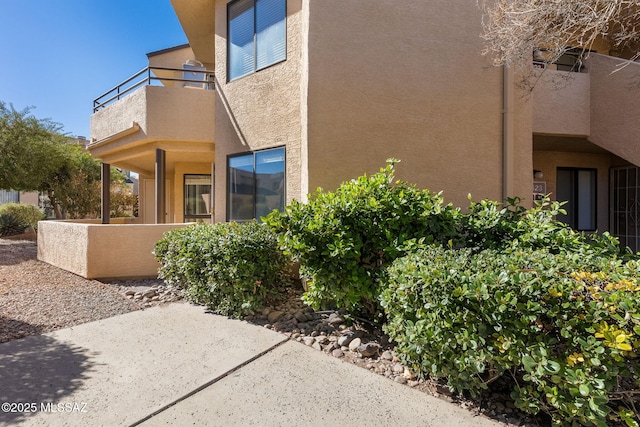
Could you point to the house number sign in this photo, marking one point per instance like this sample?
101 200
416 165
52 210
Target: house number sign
539 190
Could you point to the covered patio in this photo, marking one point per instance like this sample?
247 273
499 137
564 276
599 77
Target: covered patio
159 124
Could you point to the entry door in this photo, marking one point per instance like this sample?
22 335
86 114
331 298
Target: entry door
625 207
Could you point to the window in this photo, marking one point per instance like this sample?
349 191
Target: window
197 197
625 206
578 188
257 35
255 184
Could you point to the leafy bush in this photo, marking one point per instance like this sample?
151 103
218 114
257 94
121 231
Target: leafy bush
345 239
26 215
233 268
564 326
493 225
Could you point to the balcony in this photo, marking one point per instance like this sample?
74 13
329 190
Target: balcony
192 77
600 105
158 107
562 103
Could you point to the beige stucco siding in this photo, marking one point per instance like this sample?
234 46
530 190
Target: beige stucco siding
93 250
161 112
614 106
261 110
404 81
562 102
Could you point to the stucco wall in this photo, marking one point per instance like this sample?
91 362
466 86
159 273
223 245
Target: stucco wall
119 116
614 106
365 81
162 112
261 110
562 102
408 81
186 114
101 251
172 58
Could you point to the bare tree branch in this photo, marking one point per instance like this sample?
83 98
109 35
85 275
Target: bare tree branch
515 29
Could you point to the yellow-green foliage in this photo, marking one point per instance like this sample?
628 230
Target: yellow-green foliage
563 327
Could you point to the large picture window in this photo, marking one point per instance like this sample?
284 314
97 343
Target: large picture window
578 188
256 184
257 35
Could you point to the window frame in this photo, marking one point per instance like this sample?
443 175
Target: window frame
255 44
255 187
184 197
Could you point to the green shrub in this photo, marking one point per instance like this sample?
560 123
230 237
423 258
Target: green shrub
564 327
345 239
10 225
493 225
233 268
27 215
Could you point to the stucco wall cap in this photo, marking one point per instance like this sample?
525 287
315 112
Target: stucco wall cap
135 127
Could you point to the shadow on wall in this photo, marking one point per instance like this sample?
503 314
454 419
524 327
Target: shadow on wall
39 369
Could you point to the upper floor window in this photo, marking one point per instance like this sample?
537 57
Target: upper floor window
257 35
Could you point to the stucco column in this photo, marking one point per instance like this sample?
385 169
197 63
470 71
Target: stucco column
161 165
105 186
508 149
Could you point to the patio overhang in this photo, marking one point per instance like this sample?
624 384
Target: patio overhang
140 157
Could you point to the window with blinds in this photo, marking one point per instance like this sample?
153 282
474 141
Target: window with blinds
257 35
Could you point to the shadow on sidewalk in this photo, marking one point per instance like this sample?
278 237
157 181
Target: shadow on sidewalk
38 370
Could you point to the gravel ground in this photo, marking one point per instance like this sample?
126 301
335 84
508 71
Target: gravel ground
36 297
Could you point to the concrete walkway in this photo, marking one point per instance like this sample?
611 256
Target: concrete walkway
177 365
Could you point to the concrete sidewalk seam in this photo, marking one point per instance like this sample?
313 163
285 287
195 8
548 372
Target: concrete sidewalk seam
208 384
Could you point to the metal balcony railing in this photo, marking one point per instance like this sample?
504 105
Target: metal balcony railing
200 78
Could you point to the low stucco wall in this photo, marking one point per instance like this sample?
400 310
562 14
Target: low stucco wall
101 251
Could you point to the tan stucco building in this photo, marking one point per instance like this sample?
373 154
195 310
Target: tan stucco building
274 98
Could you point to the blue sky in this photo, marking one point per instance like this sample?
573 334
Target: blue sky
58 55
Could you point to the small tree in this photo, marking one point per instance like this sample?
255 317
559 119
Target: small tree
31 150
36 156
75 188
123 201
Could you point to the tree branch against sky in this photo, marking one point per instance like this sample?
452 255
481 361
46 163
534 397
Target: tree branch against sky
35 156
514 29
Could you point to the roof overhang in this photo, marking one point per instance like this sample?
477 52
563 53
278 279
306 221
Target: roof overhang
197 18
